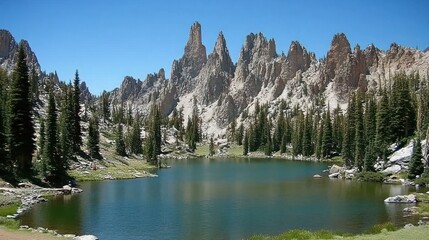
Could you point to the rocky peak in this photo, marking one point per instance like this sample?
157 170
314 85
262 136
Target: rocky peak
195 52
221 51
298 58
337 54
7 43
257 47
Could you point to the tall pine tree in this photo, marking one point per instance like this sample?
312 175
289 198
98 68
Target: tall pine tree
77 131
93 143
21 140
119 141
416 166
359 132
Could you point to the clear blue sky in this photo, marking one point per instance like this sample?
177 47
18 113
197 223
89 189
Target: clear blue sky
107 40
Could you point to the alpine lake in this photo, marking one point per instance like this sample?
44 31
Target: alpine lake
221 199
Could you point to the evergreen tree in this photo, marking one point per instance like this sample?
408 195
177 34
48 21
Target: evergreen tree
416 166
41 143
283 144
268 144
279 131
326 147
337 130
105 106
349 134
153 140
404 118
382 129
136 141
53 165
119 142
246 143
34 85
359 132
4 163
232 132
66 126
240 135
21 138
211 147
93 143
370 120
307 146
370 158
77 131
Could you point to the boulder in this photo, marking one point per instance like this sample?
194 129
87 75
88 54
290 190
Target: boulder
336 169
317 176
411 198
392 169
87 237
67 189
334 175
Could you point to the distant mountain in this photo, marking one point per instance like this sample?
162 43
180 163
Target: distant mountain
223 90
8 57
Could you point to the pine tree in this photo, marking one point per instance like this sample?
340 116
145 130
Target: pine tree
326 148
105 106
370 158
404 118
370 120
232 131
268 145
77 131
66 126
246 143
283 144
41 144
119 142
279 132
136 141
307 146
416 166
153 140
4 163
34 85
93 143
53 165
240 135
211 147
349 134
21 140
382 129
359 133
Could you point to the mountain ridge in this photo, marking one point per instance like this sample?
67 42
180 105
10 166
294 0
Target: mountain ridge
223 90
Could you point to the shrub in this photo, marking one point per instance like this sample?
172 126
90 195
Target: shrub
370 177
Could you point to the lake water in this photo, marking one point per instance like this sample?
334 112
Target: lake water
220 199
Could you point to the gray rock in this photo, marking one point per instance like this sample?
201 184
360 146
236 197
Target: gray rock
86 237
334 175
317 176
409 225
411 198
392 169
336 169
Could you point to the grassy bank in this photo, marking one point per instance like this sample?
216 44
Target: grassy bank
119 168
378 232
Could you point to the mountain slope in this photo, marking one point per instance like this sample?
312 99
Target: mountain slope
222 90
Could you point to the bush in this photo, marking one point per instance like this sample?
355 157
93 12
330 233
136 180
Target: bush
370 177
423 179
379 227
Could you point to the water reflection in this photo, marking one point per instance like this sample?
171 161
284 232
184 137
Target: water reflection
222 199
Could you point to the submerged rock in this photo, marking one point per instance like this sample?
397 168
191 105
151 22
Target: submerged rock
317 176
86 237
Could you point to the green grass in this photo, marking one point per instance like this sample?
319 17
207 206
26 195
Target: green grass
297 235
8 209
385 231
9 223
117 171
235 150
202 150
